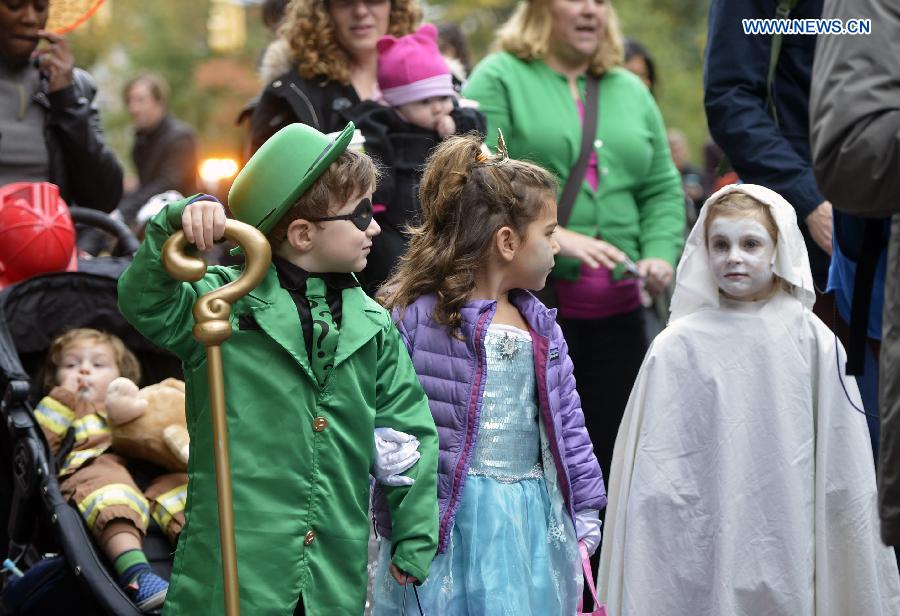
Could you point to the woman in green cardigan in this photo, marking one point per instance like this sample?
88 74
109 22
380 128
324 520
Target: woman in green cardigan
630 197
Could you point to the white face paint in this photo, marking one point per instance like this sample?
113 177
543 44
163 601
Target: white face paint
741 254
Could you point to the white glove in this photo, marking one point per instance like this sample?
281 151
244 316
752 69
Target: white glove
395 452
587 528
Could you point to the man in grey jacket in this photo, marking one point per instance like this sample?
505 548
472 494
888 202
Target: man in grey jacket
855 133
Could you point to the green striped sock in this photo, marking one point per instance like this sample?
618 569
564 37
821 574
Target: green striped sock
129 564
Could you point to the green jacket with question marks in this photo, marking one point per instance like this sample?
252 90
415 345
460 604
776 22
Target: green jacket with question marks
300 453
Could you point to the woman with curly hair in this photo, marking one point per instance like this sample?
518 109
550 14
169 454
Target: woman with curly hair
329 60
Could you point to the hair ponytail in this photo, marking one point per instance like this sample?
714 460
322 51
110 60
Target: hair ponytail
466 197
446 173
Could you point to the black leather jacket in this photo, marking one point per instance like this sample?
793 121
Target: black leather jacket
81 163
290 98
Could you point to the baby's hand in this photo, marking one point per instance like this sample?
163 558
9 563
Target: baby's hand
445 126
203 222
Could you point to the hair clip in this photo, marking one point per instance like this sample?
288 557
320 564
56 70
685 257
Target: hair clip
500 158
502 152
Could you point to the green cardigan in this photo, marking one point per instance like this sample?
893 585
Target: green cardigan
638 206
290 475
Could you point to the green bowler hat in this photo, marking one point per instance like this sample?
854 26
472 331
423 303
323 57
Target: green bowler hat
281 171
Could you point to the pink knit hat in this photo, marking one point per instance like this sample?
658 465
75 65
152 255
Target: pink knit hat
410 68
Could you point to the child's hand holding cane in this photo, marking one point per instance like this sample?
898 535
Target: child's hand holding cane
203 222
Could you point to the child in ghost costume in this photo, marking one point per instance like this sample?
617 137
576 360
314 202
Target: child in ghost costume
742 478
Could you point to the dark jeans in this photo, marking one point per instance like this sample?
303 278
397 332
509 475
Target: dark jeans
299 611
607 354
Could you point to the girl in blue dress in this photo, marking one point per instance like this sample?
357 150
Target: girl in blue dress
518 483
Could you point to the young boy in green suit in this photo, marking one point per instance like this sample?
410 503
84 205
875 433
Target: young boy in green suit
312 369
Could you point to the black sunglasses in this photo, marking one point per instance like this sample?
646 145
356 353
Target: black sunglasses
361 216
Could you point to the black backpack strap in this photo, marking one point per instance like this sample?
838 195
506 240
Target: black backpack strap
872 245
588 134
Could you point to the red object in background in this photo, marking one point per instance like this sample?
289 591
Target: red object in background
36 232
724 180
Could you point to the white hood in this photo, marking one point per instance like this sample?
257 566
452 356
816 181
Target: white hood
696 287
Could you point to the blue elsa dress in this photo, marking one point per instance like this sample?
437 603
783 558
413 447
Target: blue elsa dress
513 549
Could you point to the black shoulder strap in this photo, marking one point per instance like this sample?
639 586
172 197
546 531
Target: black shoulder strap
872 246
588 134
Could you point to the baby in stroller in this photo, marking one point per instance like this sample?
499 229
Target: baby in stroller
80 365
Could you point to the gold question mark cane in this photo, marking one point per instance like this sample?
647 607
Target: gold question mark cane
212 327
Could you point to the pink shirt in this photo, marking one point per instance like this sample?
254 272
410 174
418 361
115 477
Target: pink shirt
595 295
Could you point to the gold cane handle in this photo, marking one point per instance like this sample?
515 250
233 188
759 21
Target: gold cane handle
212 326
212 311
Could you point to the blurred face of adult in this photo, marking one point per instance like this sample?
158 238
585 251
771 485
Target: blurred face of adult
144 109
679 149
20 21
359 24
577 27
638 65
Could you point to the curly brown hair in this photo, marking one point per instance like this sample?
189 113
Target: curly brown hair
125 360
314 45
466 198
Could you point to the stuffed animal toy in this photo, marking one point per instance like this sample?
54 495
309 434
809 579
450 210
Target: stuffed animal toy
149 423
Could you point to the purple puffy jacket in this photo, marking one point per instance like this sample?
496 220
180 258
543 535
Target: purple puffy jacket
452 372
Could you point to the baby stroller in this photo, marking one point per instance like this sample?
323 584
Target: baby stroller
41 533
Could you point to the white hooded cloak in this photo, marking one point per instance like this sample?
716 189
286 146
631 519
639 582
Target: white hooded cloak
742 479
